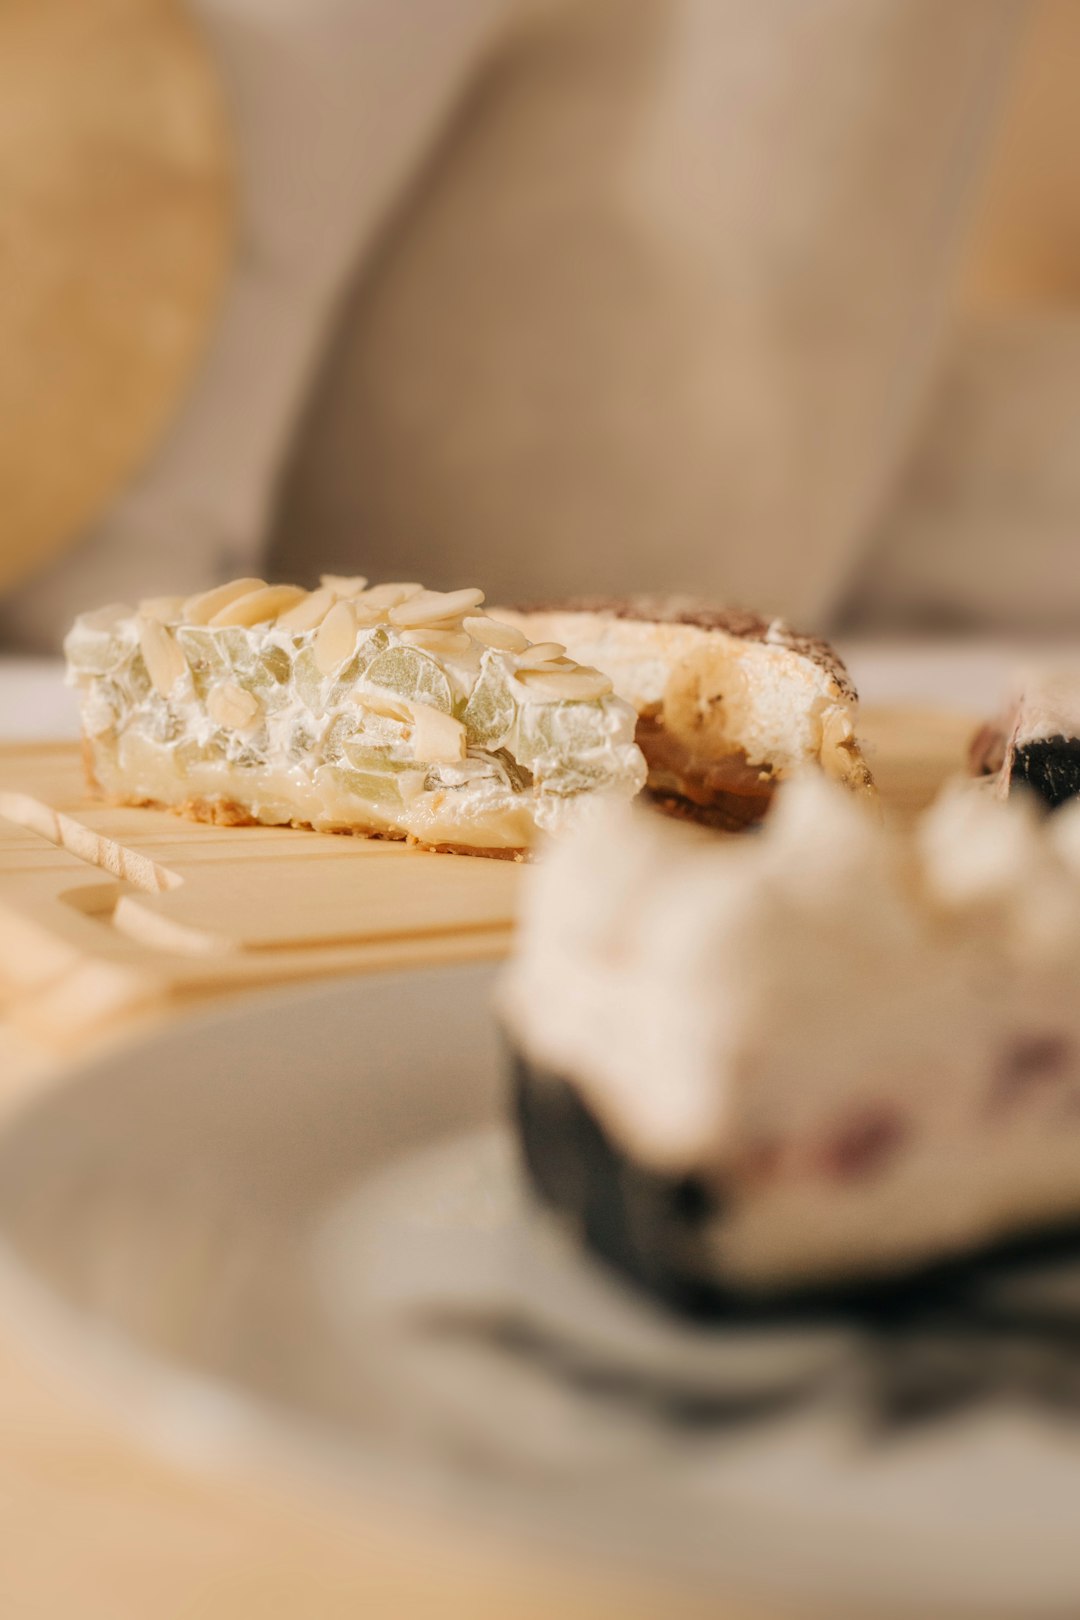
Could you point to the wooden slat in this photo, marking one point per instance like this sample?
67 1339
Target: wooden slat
105 911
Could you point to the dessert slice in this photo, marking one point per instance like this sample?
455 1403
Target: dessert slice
825 1055
392 711
1037 743
728 704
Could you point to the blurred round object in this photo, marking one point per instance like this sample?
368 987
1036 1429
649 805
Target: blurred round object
114 238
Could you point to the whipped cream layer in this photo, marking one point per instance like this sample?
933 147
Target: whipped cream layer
357 712
866 1043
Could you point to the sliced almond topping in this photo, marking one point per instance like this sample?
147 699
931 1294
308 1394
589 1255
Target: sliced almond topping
436 736
165 609
381 703
201 609
434 608
579 684
544 652
384 597
309 613
442 643
336 639
493 633
343 584
165 663
230 705
260 606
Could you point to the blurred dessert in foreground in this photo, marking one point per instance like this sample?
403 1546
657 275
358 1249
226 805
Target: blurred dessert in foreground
1036 744
829 1053
391 711
728 704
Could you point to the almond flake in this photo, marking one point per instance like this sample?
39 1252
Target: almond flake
336 639
202 608
310 613
383 597
441 643
493 633
260 606
381 703
577 685
343 584
436 737
429 608
230 705
164 661
543 652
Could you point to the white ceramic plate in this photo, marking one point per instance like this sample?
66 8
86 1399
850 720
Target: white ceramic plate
297 1224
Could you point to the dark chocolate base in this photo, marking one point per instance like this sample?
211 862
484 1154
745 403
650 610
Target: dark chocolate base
649 1228
1050 767
644 1224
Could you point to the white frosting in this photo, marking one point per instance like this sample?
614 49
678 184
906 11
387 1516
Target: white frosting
305 756
714 1000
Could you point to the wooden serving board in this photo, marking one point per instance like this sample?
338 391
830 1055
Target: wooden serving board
109 914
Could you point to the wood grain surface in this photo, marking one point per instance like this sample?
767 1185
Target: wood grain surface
109 913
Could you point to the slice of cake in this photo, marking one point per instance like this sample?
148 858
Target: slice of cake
827 1054
728 704
392 711
1036 745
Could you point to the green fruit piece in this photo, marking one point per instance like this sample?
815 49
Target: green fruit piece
358 664
576 779
490 711
309 682
374 787
93 647
277 664
337 733
212 655
561 729
409 673
268 678
136 678
365 757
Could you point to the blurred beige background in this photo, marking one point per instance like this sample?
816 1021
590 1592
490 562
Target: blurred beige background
774 302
